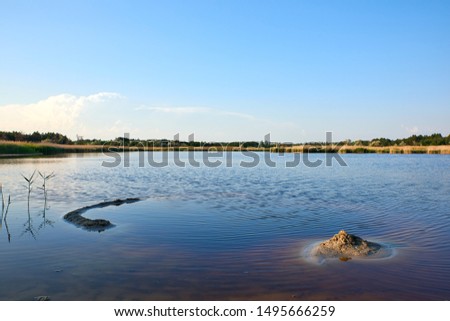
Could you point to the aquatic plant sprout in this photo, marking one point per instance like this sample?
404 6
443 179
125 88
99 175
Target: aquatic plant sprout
4 212
44 185
30 180
3 206
3 200
7 207
29 186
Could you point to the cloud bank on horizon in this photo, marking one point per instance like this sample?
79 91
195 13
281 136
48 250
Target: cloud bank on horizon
63 113
107 115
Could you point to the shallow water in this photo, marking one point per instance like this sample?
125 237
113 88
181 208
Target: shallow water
228 232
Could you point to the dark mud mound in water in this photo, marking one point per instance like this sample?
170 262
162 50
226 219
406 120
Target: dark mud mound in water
98 225
344 245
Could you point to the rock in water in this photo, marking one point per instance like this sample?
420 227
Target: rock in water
346 245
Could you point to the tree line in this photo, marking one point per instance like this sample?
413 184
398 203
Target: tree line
414 140
35 137
57 138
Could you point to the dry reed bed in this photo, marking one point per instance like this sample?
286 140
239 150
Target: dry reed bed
11 148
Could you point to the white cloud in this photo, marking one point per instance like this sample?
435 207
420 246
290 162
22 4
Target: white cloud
175 110
411 130
59 113
109 115
196 110
235 114
102 96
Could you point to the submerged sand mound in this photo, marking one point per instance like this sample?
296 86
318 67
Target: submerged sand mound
344 245
98 225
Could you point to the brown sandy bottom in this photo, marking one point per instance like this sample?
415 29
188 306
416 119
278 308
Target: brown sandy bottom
165 273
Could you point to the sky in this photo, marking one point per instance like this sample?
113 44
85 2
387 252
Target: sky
226 70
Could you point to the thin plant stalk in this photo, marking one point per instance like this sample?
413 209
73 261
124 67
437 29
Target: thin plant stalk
7 207
6 215
3 207
3 200
45 221
44 185
7 230
29 186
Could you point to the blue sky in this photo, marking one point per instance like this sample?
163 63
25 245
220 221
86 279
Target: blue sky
226 70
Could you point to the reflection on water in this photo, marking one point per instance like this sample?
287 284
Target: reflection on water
29 227
227 233
4 216
45 221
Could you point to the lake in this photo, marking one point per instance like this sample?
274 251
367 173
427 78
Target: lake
226 233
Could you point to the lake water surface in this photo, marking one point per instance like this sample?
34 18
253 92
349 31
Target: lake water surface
227 233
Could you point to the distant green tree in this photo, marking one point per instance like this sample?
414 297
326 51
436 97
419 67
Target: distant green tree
35 137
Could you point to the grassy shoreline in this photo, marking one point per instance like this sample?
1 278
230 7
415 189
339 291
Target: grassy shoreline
16 149
22 149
